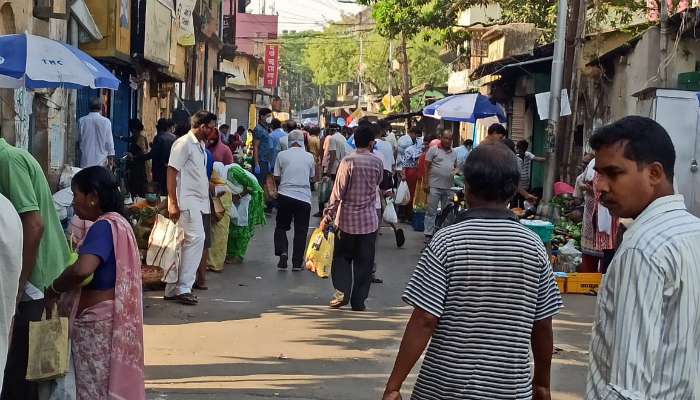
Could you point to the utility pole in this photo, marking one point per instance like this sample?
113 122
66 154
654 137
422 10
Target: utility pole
554 109
404 74
359 67
663 43
390 81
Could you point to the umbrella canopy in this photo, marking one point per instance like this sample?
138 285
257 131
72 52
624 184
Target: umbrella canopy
465 108
37 62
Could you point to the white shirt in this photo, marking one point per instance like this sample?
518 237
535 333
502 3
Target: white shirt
386 152
11 256
646 333
95 139
189 158
295 167
337 143
391 138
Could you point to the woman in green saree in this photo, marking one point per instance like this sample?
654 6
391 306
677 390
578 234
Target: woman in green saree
248 211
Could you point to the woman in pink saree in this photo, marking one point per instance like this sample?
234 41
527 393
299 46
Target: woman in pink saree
104 289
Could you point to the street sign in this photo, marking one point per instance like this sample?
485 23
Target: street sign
271 64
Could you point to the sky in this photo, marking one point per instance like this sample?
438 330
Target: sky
303 15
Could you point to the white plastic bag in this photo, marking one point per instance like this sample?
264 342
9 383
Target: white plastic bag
569 257
390 216
403 194
164 248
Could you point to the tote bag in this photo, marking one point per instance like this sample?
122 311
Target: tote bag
164 248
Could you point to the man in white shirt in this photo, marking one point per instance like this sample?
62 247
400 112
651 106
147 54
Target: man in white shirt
11 256
188 200
440 164
646 334
95 138
333 153
294 170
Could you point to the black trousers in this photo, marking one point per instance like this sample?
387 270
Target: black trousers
288 210
352 266
14 386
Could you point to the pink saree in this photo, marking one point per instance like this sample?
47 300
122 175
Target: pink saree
107 338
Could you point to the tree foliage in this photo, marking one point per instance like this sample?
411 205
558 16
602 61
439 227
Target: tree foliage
333 56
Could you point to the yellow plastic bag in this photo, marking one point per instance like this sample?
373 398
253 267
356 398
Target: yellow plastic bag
48 348
319 253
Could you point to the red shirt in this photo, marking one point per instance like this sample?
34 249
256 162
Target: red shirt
222 153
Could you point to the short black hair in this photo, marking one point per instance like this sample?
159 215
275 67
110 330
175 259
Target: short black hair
469 142
497 129
135 125
364 134
384 125
523 144
290 125
164 124
202 118
644 141
491 173
98 180
264 111
315 131
95 104
275 124
509 143
241 129
416 130
224 126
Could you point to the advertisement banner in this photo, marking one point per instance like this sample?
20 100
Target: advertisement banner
185 35
271 64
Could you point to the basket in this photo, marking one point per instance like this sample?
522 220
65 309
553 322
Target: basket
583 282
418 221
543 229
151 275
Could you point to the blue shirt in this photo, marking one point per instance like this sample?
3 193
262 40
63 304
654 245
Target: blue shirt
265 148
210 163
275 137
98 242
462 154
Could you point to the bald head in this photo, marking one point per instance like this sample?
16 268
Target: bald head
491 173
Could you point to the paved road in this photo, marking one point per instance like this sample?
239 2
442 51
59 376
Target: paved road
263 334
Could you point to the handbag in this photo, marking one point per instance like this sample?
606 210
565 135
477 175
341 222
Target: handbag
219 210
164 248
48 348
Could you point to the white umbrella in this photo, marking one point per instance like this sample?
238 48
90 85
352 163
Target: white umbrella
37 62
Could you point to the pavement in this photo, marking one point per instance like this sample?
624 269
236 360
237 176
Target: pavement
258 333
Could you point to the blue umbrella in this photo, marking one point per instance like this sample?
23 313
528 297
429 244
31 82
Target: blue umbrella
465 108
37 62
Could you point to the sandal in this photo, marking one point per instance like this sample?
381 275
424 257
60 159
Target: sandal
187 299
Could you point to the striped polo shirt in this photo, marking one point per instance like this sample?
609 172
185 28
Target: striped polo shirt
487 279
646 333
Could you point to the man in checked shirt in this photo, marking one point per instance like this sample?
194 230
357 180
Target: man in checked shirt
352 210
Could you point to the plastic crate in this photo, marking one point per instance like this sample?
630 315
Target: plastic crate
543 229
583 282
418 221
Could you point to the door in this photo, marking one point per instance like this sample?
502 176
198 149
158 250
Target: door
237 109
677 111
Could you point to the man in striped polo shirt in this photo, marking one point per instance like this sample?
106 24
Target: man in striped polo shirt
646 333
482 293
